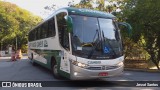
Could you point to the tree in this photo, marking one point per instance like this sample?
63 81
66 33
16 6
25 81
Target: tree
144 18
149 19
15 23
84 4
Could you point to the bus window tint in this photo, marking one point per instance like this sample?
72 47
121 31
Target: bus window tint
38 33
62 30
44 29
30 36
51 28
35 34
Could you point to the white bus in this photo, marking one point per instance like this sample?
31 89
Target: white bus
78 44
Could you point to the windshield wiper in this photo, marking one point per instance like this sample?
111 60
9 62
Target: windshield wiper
108 44
96 44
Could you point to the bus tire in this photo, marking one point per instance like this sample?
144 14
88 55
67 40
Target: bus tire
32 61
55 69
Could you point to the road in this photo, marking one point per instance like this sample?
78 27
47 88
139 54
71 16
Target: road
23 70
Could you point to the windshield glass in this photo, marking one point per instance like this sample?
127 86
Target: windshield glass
95 38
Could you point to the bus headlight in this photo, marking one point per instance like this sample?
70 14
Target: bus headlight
79 64
120 64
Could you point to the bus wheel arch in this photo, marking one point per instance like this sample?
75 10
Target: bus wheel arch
31 56
31 60
54 67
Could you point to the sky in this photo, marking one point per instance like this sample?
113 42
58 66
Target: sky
37 6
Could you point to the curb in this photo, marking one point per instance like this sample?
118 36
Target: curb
143 70
9 58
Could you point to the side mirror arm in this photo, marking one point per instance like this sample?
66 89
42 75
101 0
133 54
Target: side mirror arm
69 23
126 25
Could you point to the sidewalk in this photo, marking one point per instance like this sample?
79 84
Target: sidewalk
7 58
142 70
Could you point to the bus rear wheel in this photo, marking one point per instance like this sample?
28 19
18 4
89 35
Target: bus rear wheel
55 70
32 61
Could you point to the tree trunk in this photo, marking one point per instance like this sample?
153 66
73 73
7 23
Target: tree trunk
154 60
157 65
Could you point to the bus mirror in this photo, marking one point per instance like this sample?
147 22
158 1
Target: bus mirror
69 23
127 25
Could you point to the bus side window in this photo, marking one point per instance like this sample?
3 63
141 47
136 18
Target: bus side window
30 36
62 30
34 34
44 29
29 39
38 33
51 28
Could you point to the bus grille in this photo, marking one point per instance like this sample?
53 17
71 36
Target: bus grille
111 67
102 67
94 68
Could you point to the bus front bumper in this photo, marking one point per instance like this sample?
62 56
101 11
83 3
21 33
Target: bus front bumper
78 73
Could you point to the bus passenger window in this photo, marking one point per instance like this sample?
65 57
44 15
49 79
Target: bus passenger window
31 36
44 30
35 34
38 33
51 28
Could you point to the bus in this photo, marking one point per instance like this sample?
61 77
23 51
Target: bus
78 44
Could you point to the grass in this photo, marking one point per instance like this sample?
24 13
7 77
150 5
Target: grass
152 66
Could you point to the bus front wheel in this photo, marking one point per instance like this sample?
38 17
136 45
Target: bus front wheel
55 70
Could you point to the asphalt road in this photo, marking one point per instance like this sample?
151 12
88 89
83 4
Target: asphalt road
23 70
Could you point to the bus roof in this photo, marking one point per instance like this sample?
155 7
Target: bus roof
88 12
82 11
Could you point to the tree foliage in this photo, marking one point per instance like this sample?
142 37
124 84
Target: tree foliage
145 20
144 16
15 22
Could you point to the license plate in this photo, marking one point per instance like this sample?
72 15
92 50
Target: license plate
103 74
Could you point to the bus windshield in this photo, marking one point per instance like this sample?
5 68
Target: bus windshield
95 38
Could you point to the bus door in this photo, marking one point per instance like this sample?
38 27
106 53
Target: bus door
65 65
64 41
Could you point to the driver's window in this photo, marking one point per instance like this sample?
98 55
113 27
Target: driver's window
62 30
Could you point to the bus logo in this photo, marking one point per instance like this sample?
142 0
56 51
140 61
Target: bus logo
94 62
103 67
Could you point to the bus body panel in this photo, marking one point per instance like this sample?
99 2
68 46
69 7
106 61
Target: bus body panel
44 56
100 62
65 65
94 67
78 73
